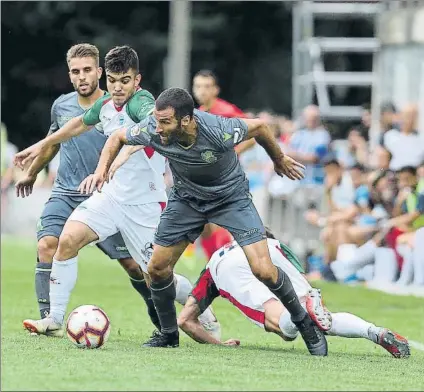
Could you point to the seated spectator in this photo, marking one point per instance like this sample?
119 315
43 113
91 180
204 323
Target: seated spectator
356 150
408 215
388 121
340 194
308 145
411 247
406 145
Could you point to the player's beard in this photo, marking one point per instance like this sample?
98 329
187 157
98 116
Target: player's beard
90 91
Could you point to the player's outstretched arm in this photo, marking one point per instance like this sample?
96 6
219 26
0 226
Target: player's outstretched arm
73 127
189 323
283 164
25 185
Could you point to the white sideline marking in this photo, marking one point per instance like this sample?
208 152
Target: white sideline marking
416 345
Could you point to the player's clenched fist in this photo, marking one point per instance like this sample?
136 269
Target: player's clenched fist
92 182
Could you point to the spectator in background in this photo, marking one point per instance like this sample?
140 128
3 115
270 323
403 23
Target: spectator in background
387 120
408 215
357 149
308 145
406 145
364 127
340 194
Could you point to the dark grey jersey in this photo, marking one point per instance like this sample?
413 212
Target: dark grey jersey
79 155
209 169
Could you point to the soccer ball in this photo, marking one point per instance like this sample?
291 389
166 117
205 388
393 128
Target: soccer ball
88 327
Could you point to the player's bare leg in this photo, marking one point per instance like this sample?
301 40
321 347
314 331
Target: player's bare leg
279 283
160 270
75 235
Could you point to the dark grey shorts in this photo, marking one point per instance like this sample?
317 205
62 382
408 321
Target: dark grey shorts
182 220
55 214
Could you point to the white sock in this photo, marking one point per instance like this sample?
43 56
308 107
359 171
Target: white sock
62 281
347 325
183 288
287 327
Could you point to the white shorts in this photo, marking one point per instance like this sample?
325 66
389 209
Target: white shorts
136 223
236 282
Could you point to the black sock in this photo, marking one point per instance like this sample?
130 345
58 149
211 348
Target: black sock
163 296
42 286
144 291
284 290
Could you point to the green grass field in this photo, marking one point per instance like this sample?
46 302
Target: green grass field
262 362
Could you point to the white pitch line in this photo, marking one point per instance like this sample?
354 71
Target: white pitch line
416 345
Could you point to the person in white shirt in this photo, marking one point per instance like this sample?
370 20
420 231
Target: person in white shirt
406 145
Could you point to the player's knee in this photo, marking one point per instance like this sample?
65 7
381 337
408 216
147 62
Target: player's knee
132 268
46 248
157 272
68 245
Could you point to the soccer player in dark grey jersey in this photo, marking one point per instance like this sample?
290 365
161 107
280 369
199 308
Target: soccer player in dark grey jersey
78 158
210 186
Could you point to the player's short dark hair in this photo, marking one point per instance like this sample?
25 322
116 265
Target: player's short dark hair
207 73
121 59
178 99
82 50
408 169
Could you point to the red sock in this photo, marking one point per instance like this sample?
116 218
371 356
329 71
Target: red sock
222 237
208 245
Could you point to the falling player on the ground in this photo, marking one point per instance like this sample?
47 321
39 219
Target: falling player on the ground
209 186
132 201
78 159
228 275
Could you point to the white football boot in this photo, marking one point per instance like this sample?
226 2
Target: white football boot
319 314
46 326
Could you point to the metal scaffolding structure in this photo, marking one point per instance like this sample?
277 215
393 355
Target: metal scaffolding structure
309 74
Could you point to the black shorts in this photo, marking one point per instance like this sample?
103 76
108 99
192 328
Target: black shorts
184 220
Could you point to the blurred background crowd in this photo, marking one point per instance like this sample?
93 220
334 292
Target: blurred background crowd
358 215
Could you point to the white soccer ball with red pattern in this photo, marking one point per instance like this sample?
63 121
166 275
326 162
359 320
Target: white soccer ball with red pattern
88 327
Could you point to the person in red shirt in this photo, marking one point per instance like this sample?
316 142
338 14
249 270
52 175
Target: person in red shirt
206 91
